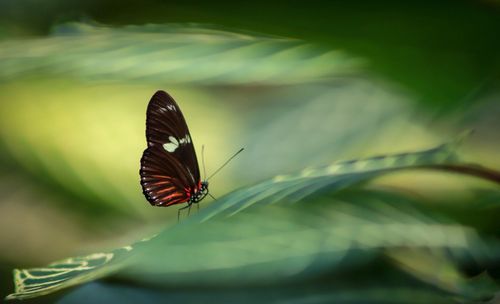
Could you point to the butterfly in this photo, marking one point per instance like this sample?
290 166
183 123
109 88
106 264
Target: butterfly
169 172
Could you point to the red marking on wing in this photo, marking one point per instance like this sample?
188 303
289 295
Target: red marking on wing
177 194
188 192
160 176
164 190
161 183
175 202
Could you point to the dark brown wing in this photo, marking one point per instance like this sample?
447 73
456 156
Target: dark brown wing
163 178
164 120
169 168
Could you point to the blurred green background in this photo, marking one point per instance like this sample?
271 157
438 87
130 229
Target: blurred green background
297 84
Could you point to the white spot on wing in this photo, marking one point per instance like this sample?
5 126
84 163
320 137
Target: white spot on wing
170 147
173 140
174 143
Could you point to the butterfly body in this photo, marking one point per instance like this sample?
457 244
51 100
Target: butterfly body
169 171
199 194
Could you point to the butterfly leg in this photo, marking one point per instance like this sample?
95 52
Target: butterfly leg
180 209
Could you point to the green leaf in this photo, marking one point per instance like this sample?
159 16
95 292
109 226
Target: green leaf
254 235
171 54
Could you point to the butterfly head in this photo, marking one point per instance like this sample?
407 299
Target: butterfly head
200 194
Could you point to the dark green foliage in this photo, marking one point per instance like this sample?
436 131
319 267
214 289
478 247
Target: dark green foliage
320 232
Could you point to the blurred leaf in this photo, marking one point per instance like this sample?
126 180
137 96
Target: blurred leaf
418 44
349 118
228 238
171 54
437 269
30 213
306 293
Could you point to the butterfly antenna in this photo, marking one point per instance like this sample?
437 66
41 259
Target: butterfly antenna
203 161
227 161
212 196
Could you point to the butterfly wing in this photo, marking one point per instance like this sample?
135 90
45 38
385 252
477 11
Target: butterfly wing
169 168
